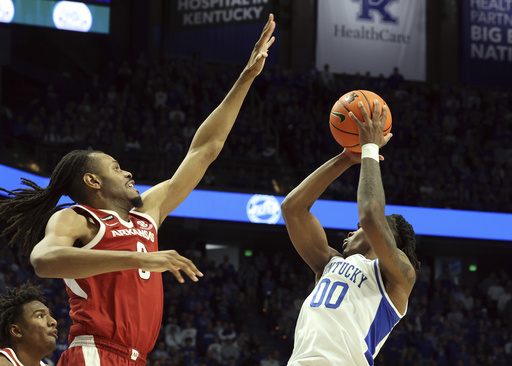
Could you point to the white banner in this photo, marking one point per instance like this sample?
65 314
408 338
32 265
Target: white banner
360 36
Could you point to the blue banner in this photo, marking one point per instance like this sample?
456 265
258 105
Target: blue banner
265 210
217 30
487 42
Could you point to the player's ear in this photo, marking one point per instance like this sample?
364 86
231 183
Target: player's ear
92 180
15 331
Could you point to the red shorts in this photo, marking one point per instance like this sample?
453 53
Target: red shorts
94 351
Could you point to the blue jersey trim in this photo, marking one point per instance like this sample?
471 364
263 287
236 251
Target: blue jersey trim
384 321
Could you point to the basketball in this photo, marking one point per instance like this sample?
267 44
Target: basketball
343 128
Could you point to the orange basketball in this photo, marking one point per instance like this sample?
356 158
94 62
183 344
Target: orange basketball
343 128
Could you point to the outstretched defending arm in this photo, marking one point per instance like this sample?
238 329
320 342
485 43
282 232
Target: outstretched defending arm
209 139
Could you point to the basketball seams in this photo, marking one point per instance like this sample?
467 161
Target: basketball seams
348 135
344 106
339 129
337 114
367 102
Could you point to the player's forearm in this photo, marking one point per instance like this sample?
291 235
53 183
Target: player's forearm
370 193
214 131
306 193
73 263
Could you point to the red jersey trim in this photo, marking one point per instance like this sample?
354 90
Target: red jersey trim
12 358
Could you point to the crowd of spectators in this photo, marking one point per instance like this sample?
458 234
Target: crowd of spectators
208 323
450 147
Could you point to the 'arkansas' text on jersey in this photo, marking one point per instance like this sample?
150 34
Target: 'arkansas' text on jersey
126 232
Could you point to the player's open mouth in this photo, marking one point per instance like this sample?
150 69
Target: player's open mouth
131 185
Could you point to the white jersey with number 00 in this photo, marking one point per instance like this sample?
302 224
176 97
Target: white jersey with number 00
347 317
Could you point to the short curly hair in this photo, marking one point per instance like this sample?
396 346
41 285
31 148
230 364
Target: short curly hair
405 238
11 308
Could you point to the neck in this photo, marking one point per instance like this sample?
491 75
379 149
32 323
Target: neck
122 212
370 254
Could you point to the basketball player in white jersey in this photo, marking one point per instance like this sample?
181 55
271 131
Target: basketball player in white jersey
27 330
362 288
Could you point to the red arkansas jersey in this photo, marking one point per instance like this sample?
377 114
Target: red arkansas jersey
125 306
11 356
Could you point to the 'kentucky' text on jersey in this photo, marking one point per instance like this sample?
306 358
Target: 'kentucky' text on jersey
363 332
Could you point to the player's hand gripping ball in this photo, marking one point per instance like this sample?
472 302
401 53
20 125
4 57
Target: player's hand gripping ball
343 128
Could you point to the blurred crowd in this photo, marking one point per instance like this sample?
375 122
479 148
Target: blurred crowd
245 315
450 147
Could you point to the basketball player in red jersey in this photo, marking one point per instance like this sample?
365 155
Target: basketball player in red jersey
27 330
106 252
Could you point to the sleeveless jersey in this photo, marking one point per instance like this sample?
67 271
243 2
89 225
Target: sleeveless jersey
347 317
125 306
11 356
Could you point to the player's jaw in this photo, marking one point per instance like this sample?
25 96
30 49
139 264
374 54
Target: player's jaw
54 334
135 198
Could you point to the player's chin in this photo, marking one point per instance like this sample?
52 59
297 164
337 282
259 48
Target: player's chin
137 201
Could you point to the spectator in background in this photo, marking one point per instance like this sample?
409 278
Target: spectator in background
160 352
229 350
189 332
396 79
269 360
214 350
494 292
327 77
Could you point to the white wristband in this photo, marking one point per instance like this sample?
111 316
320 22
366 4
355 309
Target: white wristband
370 151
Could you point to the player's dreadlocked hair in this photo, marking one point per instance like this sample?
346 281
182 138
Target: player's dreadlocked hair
11 308
27 210
405 238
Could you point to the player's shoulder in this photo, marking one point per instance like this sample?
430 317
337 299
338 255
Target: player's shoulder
68 215
4 361
69 219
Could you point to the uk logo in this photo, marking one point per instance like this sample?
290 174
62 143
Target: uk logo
371 8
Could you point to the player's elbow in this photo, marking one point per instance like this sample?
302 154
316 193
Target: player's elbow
288 206
285 206
41 263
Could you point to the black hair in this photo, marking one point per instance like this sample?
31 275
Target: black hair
405 238
27 210
11 308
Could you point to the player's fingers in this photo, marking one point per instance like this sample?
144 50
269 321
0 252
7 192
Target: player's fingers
387 138
384 114
270 42
376 110
186 265
191 270
268 29
354 118
176 272
364 112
